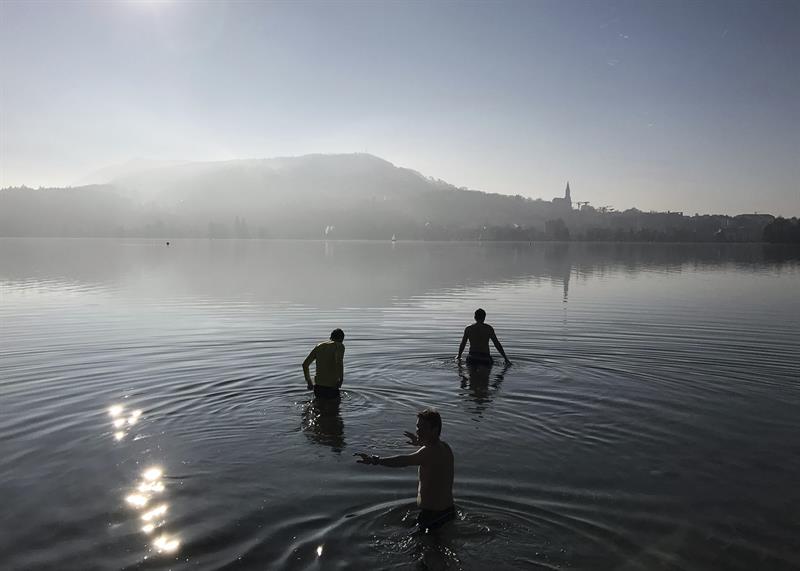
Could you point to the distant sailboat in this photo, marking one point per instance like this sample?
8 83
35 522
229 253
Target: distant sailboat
394 238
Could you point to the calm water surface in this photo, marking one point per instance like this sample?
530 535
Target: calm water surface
154 414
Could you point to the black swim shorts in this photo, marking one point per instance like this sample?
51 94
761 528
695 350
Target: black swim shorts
432 519
326 392
477 359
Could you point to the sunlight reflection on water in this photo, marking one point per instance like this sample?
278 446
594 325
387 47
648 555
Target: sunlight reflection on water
147 489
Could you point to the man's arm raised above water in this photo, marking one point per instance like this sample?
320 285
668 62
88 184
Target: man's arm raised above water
416 459
306 365
499 347
463 342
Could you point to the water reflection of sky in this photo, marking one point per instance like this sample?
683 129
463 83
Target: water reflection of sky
651 391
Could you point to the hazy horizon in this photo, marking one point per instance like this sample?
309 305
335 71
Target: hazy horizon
659 106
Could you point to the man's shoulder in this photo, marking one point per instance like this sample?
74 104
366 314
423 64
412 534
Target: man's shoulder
330 346
440 449
449 455
322 348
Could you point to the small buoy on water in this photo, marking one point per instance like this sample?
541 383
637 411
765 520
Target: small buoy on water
167 243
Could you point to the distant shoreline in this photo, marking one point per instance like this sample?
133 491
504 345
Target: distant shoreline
174 241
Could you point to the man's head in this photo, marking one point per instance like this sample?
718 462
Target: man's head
480 315
337 335
429 426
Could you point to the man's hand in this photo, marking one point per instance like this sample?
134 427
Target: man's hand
310 385
366 458
412 438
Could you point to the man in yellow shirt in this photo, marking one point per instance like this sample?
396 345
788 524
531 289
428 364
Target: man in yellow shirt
329 376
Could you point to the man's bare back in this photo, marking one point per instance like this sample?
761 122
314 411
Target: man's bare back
478 335
435 491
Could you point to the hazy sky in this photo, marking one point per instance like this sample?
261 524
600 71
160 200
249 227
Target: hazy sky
691 106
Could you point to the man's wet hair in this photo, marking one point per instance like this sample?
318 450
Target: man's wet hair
432 418
480 315
337 335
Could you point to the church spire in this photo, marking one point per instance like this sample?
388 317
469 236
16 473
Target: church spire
567 196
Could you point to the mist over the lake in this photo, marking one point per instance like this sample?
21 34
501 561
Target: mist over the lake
352 196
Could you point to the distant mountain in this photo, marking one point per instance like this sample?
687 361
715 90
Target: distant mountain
335 196
107 174
264 183
352 195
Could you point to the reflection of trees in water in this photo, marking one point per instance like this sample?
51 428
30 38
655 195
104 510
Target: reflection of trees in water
289 271
322 423
480 384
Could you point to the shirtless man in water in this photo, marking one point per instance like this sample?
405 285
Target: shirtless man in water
435 461
478 334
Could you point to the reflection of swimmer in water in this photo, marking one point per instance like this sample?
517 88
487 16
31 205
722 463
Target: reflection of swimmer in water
435 461
322 422
478 334
329 356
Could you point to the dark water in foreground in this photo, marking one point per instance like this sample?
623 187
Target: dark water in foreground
651 419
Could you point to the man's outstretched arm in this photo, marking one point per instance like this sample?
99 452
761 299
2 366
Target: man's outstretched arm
463 344
414 459
306 365
499 347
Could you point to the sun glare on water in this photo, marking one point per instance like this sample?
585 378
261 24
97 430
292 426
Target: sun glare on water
166 543
148 487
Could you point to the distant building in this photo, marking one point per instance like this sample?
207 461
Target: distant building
564 203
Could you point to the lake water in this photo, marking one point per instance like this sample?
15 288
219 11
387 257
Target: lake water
650 419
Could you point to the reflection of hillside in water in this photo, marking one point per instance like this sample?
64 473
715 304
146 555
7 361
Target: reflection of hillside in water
347 273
